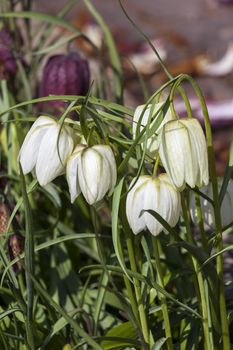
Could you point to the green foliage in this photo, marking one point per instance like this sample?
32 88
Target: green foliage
82 279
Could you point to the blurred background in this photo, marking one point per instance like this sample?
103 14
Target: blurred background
193 37
185 29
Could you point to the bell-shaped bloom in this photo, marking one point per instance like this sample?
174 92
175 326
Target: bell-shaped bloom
46 149
183 152
157 194
92 171
207 208
64 75
152 142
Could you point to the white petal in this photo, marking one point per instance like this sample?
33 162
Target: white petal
173 140
134 204
50 162
93 175
183 153
164 199
105 179
152 202
72 176
107 153
171 197
199 150
191 168
29 151
157 194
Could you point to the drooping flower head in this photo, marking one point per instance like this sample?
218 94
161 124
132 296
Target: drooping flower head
64 75
46 149
157 194
183 152
92 171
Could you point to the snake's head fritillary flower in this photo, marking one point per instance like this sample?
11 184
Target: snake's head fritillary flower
46 149
92 171
157 194
64 75
183 152
142 114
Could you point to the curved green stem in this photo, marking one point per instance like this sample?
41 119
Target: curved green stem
177 86
156 247
156 166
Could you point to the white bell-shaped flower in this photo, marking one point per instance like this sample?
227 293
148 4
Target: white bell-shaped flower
183 152
92 171
152 142
207 208
46 149
157 194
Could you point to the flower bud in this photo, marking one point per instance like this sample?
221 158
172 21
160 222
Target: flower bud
15 248
92 171
46 149
207 208
183 152
152 142
64 75
157 194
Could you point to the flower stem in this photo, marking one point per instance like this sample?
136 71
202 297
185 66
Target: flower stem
131 298
131 294
204 305
142 314
156 247
156 166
